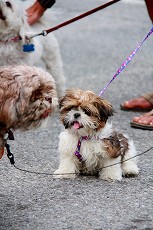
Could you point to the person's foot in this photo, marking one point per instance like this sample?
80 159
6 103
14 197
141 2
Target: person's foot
144 121
139 103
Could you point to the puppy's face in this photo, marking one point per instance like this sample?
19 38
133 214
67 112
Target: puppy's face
41 105
83 111
11 17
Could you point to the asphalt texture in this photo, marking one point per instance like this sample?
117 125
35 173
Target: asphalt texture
92 49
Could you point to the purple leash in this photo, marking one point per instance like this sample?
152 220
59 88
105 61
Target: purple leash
126 62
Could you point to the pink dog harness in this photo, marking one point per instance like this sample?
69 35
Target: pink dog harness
77 152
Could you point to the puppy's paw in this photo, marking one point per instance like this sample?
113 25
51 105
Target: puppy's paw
63 175
111 175
130 170
111 178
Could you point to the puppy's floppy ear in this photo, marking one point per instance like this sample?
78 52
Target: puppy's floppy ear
105 109
61 101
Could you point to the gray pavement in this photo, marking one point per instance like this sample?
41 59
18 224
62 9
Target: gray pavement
92 50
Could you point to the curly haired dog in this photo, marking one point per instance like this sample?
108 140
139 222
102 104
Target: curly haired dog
28 97
89 144
13 35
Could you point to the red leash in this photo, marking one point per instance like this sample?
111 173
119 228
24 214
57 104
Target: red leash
45 32
81 16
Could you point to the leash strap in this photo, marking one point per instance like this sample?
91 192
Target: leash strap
82 16
45 32
126 61
9 154
51 174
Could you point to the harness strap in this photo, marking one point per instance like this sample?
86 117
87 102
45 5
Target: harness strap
77 152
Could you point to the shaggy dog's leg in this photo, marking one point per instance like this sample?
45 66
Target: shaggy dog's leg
1 151
111 173
67 169
54 65
129 167
68 166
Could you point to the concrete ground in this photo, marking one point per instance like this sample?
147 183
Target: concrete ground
92 50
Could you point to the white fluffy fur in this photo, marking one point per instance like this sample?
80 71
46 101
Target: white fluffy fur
46 54
95 157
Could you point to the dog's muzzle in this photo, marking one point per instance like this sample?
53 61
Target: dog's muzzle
46 113
76 115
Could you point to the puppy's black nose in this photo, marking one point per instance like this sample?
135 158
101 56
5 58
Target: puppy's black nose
76 115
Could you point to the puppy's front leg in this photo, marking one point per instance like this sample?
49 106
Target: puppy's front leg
67 166
66 169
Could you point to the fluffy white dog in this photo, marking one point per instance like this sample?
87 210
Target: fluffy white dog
13 31
89 144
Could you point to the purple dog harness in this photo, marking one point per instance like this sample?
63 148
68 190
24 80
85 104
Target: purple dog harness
77 152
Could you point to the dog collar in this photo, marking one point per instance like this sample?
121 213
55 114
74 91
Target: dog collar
12 39
77 152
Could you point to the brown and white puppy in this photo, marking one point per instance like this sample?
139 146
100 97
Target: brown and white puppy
89 143
28 97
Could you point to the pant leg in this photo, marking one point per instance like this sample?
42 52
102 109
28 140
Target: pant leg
149 97
149 5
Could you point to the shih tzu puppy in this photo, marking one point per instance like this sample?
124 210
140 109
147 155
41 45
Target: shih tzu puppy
89 145
28 97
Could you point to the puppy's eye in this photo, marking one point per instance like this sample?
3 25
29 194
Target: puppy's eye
49 99
8 4
87 111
